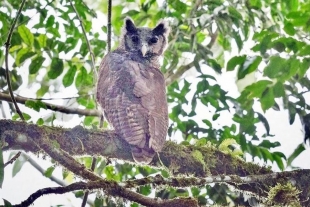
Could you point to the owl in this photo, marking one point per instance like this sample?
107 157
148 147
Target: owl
131 89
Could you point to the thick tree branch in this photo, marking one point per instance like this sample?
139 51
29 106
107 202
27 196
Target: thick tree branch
179 159
190 160
53 107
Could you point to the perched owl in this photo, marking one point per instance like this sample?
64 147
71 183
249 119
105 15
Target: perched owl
131 89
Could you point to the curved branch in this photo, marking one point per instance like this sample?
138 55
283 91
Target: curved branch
42 171
53 107
171 77
113 190
7 47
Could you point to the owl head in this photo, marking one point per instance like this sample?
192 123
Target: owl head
143 41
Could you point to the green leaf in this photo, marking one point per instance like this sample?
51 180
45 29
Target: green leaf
35 104
50 21
249 66
26 35
83 78
69 77
233 62
56 68
267 144
49 171
42 40
257 89
232 11
79 194
292 5
304 67
289 28
40 122
16 80
278 90
275 67
40 92
256 4
1 166
15 48
277 156
214 64
267 99
7 203
36 64
265 122
22 55
17 117
18 164
291 112
299 149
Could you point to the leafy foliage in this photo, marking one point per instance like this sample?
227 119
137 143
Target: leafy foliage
49 54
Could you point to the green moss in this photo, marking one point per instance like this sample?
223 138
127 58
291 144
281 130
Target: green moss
283 194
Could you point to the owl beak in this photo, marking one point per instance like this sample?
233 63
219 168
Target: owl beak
144 49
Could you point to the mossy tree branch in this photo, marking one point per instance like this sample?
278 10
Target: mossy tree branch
179 159
205 163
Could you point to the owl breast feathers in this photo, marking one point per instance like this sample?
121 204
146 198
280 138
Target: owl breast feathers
131 89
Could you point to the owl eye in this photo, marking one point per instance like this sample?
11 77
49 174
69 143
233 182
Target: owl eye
135 38
153 40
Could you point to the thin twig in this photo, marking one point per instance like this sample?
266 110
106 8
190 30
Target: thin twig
7 47
109 24
53 107
13 159
170 78
92 56
42 171
92 168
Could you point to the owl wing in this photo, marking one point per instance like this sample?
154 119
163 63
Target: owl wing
150 87
133 98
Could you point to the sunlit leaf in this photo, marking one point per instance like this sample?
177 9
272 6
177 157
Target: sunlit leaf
25 34
49 171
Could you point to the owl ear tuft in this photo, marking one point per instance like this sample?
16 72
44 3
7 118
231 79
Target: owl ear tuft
130 26
162 29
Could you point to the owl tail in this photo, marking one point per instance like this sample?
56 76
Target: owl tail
142 155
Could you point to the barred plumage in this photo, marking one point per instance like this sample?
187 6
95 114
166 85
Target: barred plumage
131 89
